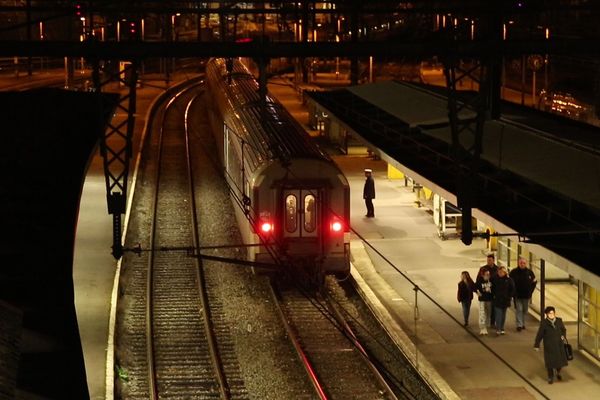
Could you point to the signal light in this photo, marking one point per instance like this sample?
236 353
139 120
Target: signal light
78 10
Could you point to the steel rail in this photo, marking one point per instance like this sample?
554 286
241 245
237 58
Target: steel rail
202 290
152 384
314 379
151 360
349 333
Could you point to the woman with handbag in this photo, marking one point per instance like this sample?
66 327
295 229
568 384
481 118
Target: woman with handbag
554 334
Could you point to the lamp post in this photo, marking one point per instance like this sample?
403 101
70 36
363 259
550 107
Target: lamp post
546 60
41 25
81 39
503 95
173 34
337 59
315 61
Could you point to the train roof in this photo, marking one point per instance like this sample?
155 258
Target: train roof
279 136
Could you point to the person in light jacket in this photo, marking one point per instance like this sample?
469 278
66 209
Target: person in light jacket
485 297
553 333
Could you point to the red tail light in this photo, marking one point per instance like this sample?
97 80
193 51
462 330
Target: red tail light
337 225
266 227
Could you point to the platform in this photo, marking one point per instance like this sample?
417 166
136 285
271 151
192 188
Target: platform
406 235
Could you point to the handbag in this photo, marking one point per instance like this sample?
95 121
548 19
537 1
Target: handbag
568 350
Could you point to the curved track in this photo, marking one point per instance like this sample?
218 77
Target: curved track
187 352
179 354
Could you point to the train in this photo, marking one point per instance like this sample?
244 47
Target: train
292 202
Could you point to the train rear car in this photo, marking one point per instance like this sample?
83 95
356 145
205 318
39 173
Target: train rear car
292 201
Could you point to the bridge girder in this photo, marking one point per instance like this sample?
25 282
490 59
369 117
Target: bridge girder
135 50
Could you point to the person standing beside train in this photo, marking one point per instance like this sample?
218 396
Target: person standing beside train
525 282
369 193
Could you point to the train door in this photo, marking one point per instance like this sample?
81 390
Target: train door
301 213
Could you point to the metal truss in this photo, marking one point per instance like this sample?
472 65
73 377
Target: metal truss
116 144
423 48
467 113
467 118
274 7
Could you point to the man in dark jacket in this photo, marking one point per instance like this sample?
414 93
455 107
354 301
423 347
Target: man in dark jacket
490 265
525 282
369 193
503 290
553 332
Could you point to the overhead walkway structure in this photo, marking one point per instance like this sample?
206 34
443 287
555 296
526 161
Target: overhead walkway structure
539 179
536 183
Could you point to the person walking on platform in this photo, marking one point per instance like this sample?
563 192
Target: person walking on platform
503 290
525 282
369 193
483 285
553 332
490 265
466 287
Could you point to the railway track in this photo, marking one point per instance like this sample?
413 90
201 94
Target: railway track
337 367
188 353
176 338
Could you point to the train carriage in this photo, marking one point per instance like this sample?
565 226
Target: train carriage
292 201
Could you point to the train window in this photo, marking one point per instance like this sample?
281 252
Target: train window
310 213
291 213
